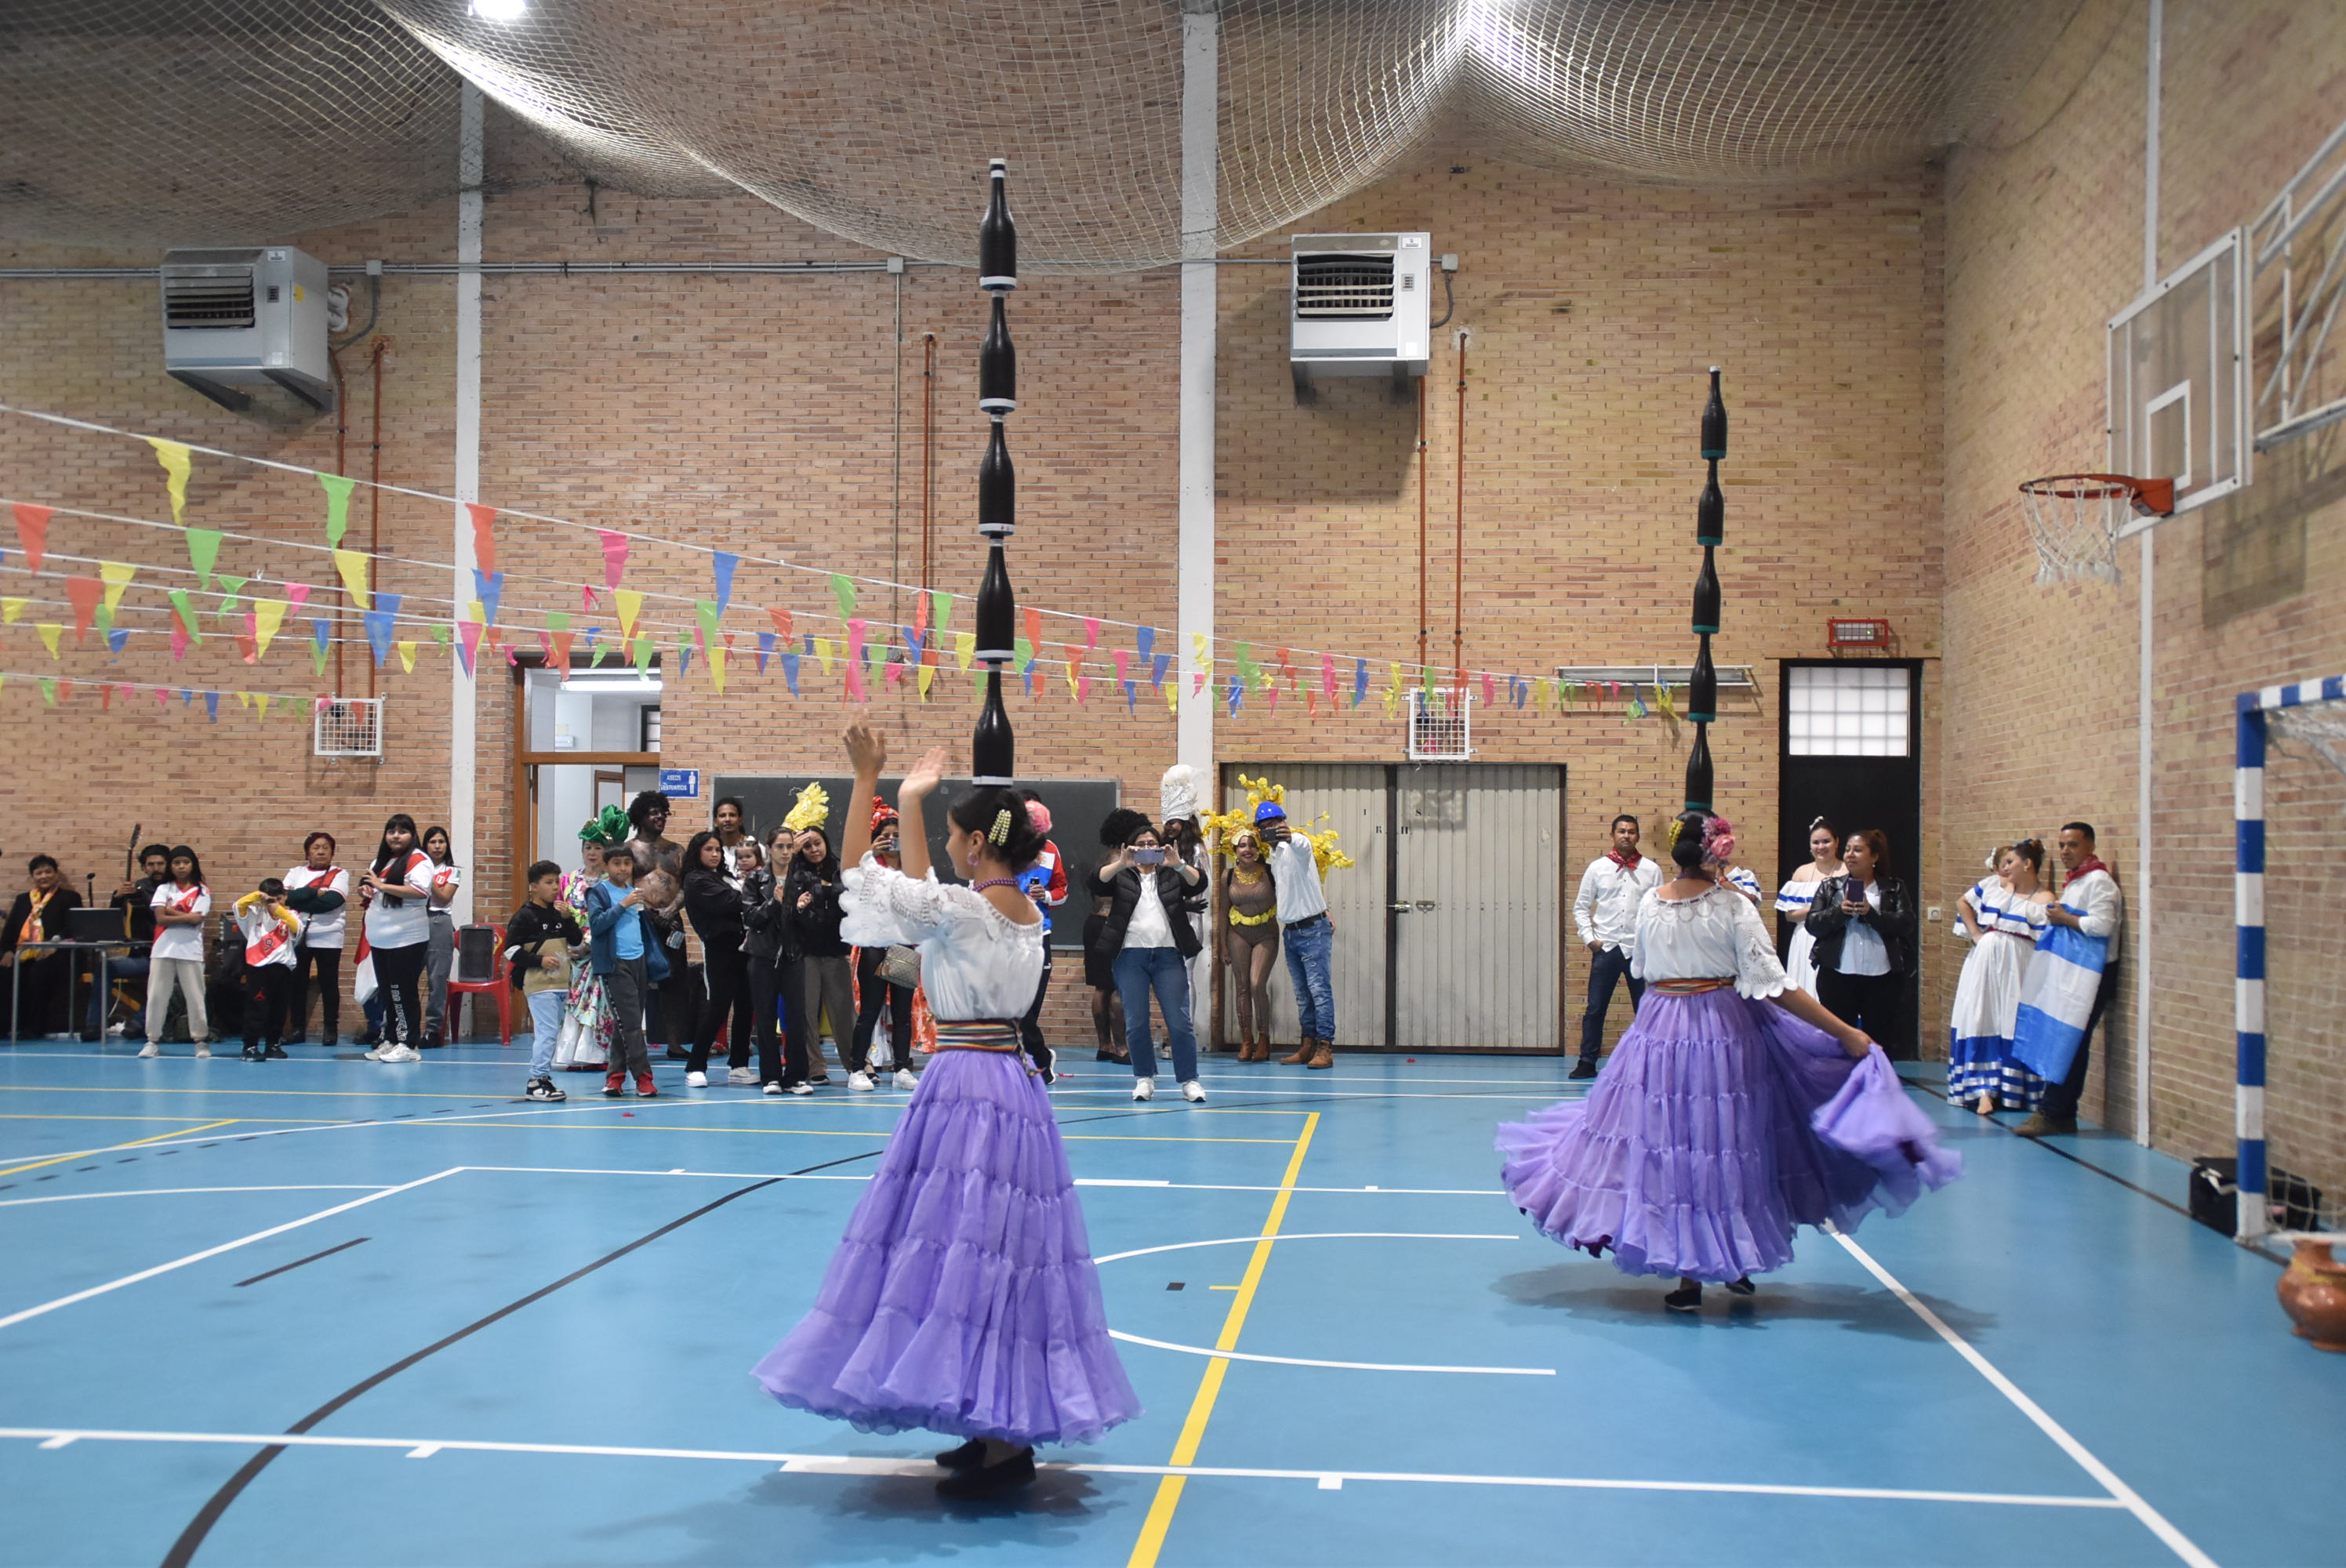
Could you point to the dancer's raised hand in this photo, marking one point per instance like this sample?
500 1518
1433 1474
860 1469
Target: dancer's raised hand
867 749
923 780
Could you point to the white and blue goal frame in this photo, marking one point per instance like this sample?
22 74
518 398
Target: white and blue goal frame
2249 916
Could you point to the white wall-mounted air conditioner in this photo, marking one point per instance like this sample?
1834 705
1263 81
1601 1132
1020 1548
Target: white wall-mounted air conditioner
247 318
1359 305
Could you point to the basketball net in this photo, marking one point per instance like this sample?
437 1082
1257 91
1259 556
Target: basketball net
2075 518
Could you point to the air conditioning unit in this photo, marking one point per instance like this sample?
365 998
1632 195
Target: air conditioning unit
1359 305
235 318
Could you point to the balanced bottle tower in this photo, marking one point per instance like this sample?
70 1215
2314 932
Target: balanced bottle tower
1709 532
992 749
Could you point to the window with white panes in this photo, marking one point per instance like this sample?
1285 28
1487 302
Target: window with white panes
1850 710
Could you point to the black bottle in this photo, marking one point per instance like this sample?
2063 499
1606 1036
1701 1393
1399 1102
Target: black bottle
1702 690
1714 421
998 238
993 752
997 367
997 489
1706 597
1710 512
1697 773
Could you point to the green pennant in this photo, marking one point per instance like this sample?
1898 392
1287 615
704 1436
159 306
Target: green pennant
708 612
231 589
940 608
186 614
643 651
602 652
317 658
49 690
844 591
338 505
557 620
440 633
203 550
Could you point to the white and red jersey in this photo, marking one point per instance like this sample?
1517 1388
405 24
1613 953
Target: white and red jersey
1053 893
181 941
402 922
323 929
267 939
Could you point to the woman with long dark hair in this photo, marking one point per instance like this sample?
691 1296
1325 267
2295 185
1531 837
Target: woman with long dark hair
776 970
1251 940
827 976
397 888
660 878
1734 1110
713 902
441 949
1863 922
1798 896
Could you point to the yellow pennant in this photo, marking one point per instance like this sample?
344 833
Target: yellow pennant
632 603
1071 687
244 701
927 678
9 610
261 702
717 667
267 614
1393 690
116 576
822 652
1173 697
1203 646
965 648
407 657
176 460
352 566
50 631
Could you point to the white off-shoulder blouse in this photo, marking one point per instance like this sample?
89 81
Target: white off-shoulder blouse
1715 935
975 962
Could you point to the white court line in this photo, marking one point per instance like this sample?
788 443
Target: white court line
176 1191
1310 1236
2120 1493
1080 1181
1303 1361
14 1319
834 1465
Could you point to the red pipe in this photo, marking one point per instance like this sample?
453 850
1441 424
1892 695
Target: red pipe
928 443
341 468
1458 569
375 353
1421 523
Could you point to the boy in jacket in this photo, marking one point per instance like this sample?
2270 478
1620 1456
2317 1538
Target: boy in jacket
272 932
621 947
538 940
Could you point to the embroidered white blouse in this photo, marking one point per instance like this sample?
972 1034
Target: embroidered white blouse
1712 936
975 962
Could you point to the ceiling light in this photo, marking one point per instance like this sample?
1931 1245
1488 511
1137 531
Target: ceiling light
500 10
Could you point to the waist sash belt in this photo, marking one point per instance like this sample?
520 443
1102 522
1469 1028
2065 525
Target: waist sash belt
1687 987
978 1034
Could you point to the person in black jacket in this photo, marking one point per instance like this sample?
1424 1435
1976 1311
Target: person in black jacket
1863 923
1150 895
712 901
769 944
39 915
825 983
134 902
538 939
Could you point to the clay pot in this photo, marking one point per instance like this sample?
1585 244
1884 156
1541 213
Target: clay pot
2313 1293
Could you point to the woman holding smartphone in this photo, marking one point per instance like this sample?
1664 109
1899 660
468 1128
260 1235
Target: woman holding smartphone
1148 892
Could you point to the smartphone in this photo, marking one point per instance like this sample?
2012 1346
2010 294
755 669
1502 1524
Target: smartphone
1147 857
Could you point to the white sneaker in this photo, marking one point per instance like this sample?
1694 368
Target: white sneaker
773 1088
375 1055
1144 1088
203 1051
401 1053
696 1080
150 1049
742 1077
801 1087
1194 1091
907 1079
116 1031
860 1083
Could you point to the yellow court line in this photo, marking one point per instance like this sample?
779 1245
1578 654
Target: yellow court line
539 1123
84 1153
1210 1387
67 1117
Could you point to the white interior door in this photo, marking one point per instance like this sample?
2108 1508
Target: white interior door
1479 898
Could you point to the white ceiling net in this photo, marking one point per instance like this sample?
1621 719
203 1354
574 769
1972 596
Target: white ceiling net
159 122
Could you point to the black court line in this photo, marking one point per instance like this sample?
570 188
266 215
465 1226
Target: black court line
183 1550
297 1263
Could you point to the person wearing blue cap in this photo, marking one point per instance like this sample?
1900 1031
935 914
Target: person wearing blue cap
1306 932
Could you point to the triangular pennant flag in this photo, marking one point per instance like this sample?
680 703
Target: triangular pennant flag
296 595
82 593
642 650
441 634
598 653
1311 704
1074 666
229 587
631 604
162 697
33 530
211 705
781 620
203 551
9 610
1360 680
683 657
50 632
558 623
1091 634
941 605
267 614
928 675
338 505
468 643
261 704
1158 665
1129 687
115 638
1034 619
321 640
855 628
790 669
1486 688
380 626
1172 692
178 640
187 617
1270 696
117 577
406 657
485 536
587 599
708 611
491 587
176 460
1200 672
1328 678
724 561
49 690
1236 696
717 656
964 649
822 652
352 566
844 591
765 650
615 556
1123 658
1392 689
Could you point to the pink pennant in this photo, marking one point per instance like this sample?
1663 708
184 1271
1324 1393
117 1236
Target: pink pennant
485 536
1270 694
33 530
1196 682
178 639
1091 633
1123 660
895 674
615 556
1486 688
509 655
1083 688
296 593
162 698
468 641
1328 677
587 594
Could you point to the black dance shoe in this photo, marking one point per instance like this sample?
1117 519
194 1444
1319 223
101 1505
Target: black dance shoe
991 1480
1685 1299
1743 1287
1582 1069
969 1456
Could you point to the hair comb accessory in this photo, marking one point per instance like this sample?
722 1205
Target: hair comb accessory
1815 823
1671 841
1718 841
999 834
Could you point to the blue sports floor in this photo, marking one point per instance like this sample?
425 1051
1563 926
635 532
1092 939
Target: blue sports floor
326 1311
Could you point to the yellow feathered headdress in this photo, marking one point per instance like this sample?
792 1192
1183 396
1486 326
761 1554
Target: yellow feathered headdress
813 811
1223 827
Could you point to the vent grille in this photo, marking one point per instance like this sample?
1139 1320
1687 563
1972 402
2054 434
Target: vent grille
1344 287
1440 725
348 727
208 299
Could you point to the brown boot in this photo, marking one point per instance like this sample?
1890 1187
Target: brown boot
1302 1057
1325 1056
1260 1049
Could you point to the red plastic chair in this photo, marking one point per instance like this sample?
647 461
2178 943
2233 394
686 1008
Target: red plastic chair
499 984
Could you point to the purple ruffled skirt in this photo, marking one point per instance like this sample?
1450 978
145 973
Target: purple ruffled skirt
1718 1125
962 1298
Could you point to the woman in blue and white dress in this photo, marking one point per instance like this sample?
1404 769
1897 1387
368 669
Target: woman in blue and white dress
2004 916
1792 902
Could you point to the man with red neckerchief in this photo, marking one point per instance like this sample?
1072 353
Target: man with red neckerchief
1605 911
2093 887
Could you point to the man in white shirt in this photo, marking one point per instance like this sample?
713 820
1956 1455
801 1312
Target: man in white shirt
2091 887
1605 912
1307 933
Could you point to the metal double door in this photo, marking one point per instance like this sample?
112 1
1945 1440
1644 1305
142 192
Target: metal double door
1450 927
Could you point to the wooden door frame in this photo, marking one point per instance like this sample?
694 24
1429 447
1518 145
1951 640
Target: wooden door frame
519 821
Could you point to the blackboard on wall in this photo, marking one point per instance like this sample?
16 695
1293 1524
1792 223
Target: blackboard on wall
1077 807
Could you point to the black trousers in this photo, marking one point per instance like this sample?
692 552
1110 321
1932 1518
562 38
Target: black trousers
399 973
321 967
2061 1099
871 993
724 1004
774 987
1030 1027
1607 967
268 988
1868 1000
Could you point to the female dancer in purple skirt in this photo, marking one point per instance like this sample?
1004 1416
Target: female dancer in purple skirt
1735 1108
962 1298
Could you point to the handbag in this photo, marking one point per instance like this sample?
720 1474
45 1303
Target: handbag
901 966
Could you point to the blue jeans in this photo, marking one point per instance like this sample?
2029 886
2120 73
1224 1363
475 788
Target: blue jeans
545 1028
1310 950
101 995
1138 970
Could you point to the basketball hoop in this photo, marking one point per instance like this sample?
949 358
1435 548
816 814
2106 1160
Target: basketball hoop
2075 519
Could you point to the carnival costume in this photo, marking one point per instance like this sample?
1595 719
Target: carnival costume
587 1024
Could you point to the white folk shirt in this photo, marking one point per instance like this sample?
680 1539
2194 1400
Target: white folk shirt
181 941
325 930
2100 907
1862 952
1151 924
1295 875
1606 910
975 962
1714 935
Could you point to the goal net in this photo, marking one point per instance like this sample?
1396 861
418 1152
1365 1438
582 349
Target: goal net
2290 794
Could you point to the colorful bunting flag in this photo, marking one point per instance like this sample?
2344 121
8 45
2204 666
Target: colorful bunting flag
790 669
855 627
1360 680
724 561
49 690
1202 646
117 577
116 638
708 610
406 657
82 593
558 623
33 530
928 676
765 650
485 536
380 626
176 460
9 610
940 604
615 556
203 551
267 614
631 604
352 567
781 620
468 643
338 505
491 587
322 637
843 591
186 619
965 648
50 632
822 652
211 705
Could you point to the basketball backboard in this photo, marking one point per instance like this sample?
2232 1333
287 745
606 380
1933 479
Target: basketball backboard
2179 403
